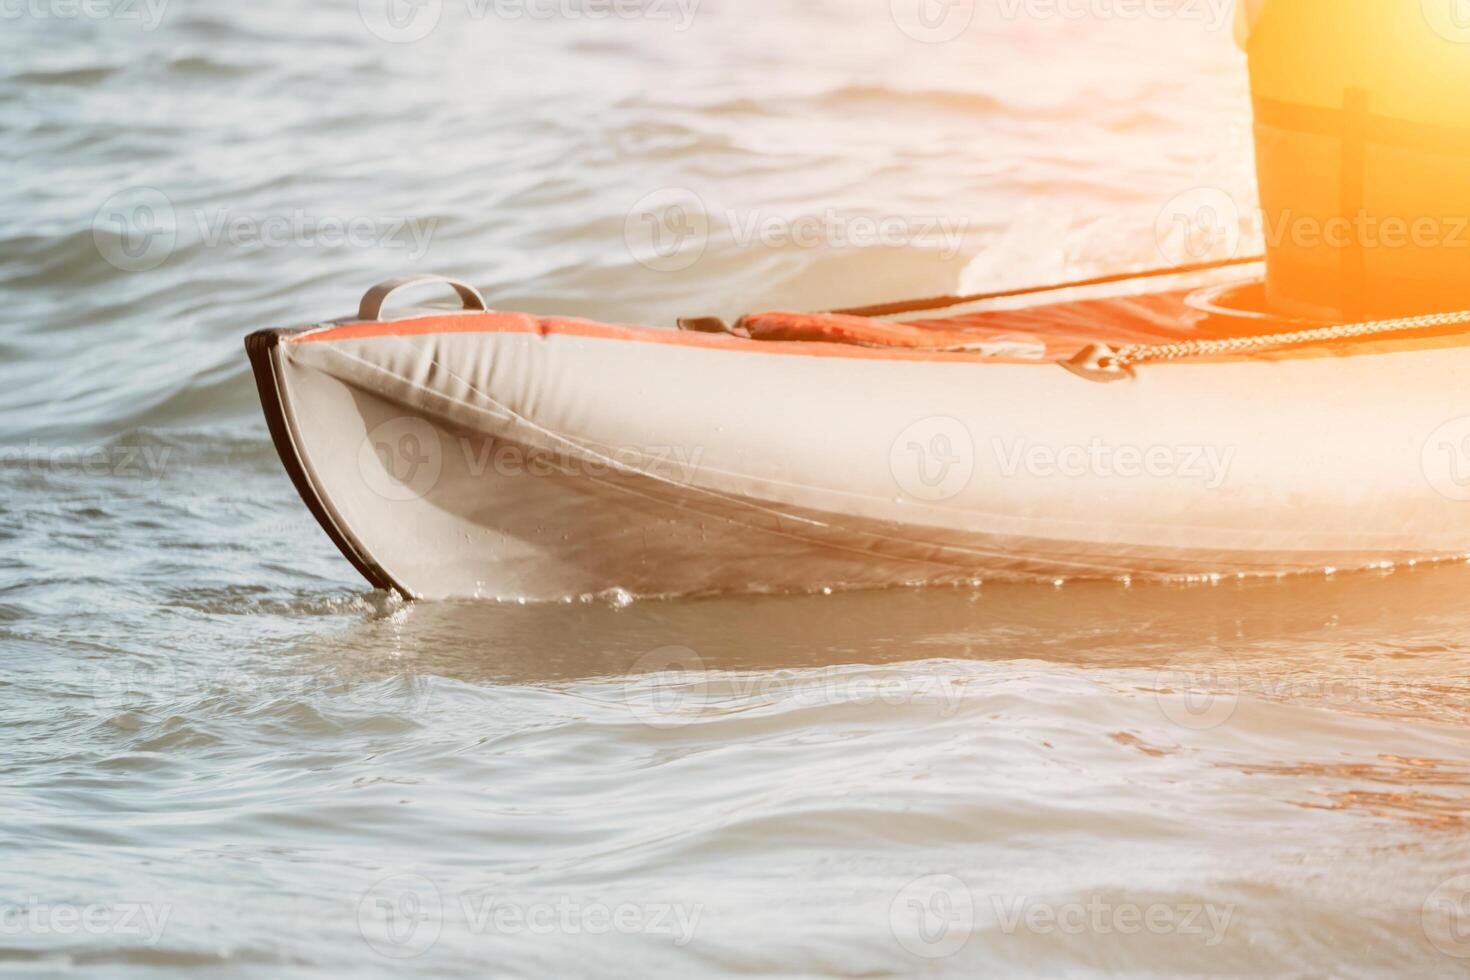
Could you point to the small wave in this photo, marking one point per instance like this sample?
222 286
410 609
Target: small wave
202 66
979 103
44 260
844 97
78 76
259 600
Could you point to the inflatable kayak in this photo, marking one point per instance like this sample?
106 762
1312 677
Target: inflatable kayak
1182 433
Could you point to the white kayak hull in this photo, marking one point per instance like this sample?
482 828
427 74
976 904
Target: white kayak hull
502 456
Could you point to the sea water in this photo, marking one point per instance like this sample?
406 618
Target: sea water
223 755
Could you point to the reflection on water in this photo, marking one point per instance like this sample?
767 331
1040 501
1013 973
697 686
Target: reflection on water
1317 640
245 764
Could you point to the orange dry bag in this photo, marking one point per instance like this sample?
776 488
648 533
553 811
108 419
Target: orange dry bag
1362 130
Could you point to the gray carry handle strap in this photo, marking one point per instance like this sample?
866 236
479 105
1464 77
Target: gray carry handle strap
371 308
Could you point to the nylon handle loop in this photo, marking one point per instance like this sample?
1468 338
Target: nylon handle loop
371 308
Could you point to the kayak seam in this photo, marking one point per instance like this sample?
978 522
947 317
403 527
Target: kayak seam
580 329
